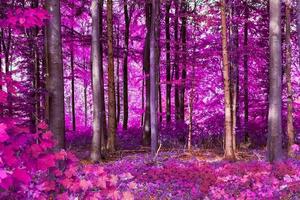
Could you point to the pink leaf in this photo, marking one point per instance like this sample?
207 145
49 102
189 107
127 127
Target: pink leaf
22 175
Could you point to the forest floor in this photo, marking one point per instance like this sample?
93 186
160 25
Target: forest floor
198 174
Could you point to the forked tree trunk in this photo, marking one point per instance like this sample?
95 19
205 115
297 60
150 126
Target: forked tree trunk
229 149
55 82
111 83
290 126
275 93
96 86
154 66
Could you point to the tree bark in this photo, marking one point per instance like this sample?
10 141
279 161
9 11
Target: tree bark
125 66
168 61
103 113
246 76
234 72
118 111
275 105
96 74
146 63
154 65
290 126
55 84
229 149
176 65
73 84
184 56
111 83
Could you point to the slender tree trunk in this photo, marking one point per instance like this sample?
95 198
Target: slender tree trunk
73 84
111 83
96 74
275 104
147 129
117 76
246 71
290 126
184 56
36 79
56 79
234 72
154 65
6 44
143 101
103 113
176 65
191 105
85 99
229 149
168 60
125 66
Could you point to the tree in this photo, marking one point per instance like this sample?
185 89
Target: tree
103 113
73 82
96 75
290 126
246 75
125 66
146 68
168 61
229 149
275 72
234 68
55 83
111 83
154 65
176 66
184 6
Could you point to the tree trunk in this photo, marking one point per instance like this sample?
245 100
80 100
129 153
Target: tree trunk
146 63
234 72
275 104
154 65
176 65
73 84
104 135
290 126
168 60
56 80
117 75
97 92
6 45
229 149
184 6
246 71
96 74
85 99
125 66
111 83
